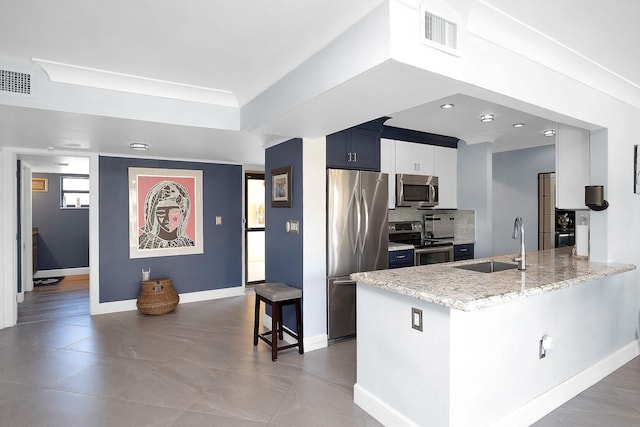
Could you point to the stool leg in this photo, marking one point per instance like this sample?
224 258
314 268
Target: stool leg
256 321
280 323
274 330
299 325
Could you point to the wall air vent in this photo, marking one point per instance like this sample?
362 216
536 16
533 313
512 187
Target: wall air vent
440 32
15 82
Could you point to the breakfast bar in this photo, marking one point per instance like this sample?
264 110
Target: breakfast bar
460 344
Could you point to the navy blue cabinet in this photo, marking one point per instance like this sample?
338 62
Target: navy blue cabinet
356 148
464 251
401 258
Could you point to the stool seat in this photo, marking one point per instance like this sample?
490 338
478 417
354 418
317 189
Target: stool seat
278 291
277 295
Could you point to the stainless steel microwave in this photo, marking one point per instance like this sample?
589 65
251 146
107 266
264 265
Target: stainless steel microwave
416 190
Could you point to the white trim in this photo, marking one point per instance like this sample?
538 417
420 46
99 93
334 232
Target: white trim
8 294
528 413
94 233
111 80
532 411
211 294
315 343
379 410
310 343
40 274
128 305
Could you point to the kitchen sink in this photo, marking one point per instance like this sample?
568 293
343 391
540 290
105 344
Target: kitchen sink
488 266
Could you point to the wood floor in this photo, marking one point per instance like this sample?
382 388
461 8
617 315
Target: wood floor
67 299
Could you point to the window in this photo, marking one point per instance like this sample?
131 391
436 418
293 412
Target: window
74 191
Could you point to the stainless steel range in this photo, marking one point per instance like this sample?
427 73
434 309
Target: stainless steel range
432 239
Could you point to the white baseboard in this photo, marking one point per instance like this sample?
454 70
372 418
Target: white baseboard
529 412
315 343
186 298
379 410
41 274
310 343
532 411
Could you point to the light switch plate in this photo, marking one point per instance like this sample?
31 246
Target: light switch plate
218 220
293 226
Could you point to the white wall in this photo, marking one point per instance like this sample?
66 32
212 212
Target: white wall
475 191
314 300
482 367
515 193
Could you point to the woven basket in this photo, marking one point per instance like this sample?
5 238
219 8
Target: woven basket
157 297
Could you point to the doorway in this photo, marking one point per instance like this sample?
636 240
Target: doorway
55 225
254 227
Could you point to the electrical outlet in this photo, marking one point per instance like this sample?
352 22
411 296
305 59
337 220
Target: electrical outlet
416 318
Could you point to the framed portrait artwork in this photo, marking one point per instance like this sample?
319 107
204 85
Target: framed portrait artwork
281 196
165 212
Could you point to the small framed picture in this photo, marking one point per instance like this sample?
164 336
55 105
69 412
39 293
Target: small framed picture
39 185
636 169
281 196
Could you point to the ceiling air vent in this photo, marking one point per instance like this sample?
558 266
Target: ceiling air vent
15 82
440 33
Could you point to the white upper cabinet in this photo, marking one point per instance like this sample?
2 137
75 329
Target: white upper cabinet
388 166
415 159
421 159
572 167
446 169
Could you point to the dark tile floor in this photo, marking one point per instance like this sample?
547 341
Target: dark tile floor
197 367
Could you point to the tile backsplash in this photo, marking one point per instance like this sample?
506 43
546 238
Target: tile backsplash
465 220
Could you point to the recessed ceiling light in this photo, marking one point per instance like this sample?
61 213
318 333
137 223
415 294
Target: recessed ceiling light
62 164
549 132
447 106
518 125
486 118
140 146
71 145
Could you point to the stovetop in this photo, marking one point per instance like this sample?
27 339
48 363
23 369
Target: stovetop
430 243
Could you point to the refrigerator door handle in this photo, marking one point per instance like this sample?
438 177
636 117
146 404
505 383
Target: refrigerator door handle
363 242
357 198
344 282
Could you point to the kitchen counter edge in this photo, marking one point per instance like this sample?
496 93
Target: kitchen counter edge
460 289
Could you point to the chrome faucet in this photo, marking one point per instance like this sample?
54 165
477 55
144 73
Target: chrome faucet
518 229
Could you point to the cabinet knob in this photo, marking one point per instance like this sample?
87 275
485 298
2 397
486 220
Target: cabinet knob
355 157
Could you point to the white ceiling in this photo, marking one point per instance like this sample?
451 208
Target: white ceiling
243 47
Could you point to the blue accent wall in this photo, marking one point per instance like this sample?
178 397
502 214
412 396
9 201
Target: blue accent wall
283 251
63 234
220 266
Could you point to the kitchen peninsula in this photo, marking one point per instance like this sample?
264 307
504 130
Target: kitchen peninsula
440 345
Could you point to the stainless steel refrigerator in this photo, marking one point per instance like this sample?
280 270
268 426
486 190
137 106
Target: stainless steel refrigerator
357 240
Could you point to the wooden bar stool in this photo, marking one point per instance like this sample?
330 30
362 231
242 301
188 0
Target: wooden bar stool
277 295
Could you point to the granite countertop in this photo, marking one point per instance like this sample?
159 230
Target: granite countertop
465 290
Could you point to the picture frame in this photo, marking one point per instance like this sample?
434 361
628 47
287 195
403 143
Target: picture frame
40 185
636 169
165 212
281 184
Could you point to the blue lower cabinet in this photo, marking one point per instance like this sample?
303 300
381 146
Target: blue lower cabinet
401 258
